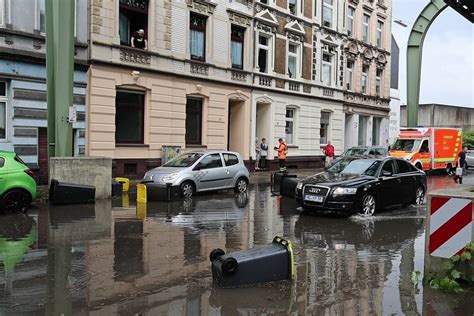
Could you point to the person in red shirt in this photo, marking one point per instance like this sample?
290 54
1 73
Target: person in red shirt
328 151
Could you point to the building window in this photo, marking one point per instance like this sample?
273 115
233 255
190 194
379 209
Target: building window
129 117
326 69
264 49
237 47
324 130
193 121
197 37
133 16
293 60
290 125
378 81
293 6
350 21
264 1
3 110
349 74
365 79
365 28
376 124
327 13
379 33
40 16
362 130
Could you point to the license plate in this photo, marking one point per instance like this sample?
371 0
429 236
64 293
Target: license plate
313 198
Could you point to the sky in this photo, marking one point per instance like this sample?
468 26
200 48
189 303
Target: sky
447 75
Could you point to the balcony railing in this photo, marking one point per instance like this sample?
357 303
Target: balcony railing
328 92
264 81
293 86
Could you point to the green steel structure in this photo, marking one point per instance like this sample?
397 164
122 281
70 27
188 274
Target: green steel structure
60 74
414 54
415 48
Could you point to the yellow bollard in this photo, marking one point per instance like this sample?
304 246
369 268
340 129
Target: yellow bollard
141 211
141 193
125 199
125 183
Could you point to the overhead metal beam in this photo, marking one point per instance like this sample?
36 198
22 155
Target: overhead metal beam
60 74
463 7
414 56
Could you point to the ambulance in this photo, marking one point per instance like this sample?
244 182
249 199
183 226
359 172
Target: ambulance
429 148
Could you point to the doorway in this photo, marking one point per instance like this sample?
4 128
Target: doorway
235 125
263 122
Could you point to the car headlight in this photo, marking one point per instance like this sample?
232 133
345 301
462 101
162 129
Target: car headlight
171 177
344 191
299 186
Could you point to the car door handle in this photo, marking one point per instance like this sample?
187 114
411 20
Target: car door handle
227 171
399 180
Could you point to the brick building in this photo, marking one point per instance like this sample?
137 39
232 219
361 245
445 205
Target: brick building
218 74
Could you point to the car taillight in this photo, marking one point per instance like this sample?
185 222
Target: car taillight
30 173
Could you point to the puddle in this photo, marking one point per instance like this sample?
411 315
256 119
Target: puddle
119 260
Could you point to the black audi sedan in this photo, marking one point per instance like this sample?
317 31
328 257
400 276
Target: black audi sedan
362 185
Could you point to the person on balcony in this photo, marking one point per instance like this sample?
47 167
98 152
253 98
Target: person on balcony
139 40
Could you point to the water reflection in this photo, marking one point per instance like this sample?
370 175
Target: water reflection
120 258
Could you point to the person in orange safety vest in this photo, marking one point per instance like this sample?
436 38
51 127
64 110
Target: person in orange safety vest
282 150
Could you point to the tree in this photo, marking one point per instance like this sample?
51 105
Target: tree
468 140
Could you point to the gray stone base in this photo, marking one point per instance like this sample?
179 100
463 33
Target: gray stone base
96 171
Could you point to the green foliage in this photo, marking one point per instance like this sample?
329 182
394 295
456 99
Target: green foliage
468 140
454 270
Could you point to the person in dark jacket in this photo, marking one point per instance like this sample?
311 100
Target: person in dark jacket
263 154
461 163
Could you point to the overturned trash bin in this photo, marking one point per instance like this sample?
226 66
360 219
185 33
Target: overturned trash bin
68 193
272 262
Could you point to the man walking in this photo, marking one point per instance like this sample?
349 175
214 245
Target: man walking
461 164
282 150
328 152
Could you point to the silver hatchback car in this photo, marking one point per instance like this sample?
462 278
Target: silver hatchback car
202 171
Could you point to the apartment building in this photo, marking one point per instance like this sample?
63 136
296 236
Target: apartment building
218 74
23 114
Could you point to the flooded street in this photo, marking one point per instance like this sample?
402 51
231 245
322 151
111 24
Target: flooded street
109 258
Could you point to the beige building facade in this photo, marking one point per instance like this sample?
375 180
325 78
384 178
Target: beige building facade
219 74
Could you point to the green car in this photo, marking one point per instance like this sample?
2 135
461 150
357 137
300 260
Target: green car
17 183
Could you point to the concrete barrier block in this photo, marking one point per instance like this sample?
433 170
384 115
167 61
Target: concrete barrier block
96 171
449 225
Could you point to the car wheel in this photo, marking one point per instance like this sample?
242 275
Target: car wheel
419 196
187 189
241 185
368 205
16 200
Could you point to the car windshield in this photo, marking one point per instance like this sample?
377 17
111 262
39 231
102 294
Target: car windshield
366 167
355 152
184 160
406 144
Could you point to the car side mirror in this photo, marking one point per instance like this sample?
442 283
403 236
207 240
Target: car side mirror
386 173
198 167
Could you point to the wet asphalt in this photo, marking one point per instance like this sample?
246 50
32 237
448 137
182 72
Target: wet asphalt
110 259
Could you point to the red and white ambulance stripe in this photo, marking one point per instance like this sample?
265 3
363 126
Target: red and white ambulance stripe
450 226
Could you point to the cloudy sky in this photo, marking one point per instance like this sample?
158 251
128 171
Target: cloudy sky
448 55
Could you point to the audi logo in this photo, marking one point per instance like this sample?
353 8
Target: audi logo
314 190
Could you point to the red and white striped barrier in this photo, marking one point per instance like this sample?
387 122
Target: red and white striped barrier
450 226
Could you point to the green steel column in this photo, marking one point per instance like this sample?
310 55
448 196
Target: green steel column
60 72
414 54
